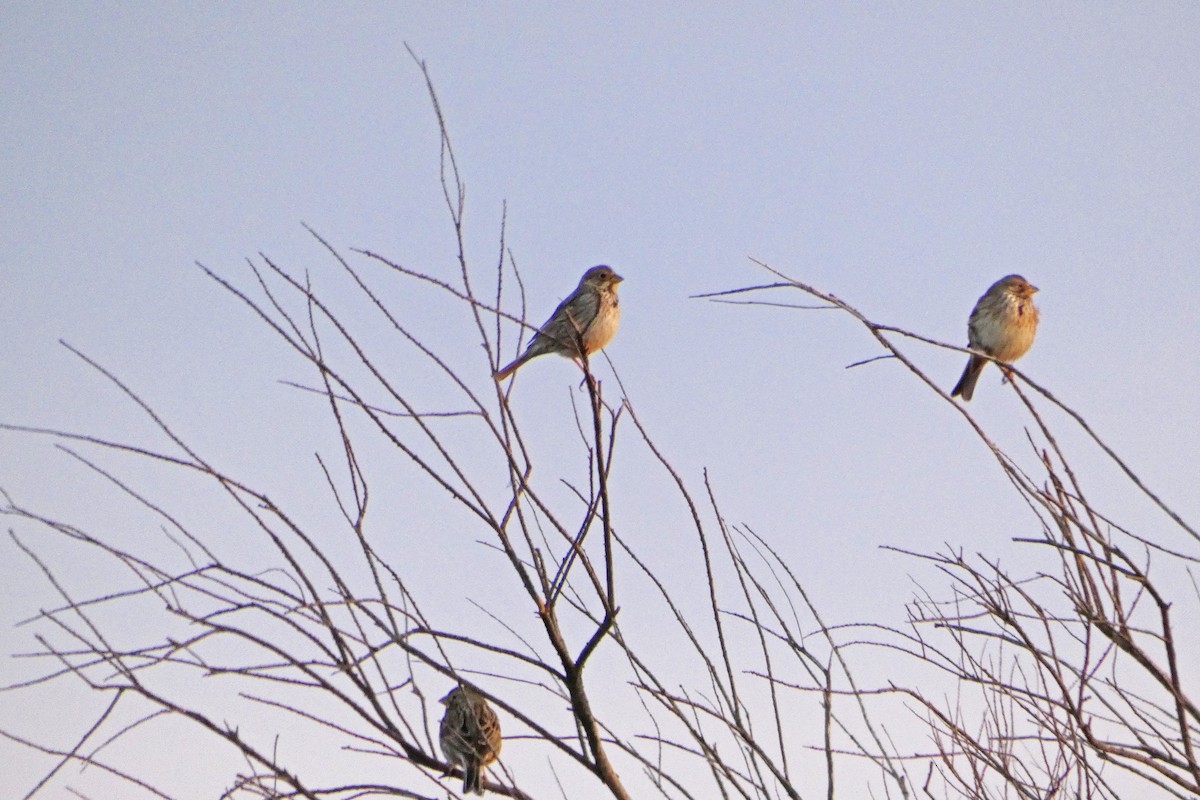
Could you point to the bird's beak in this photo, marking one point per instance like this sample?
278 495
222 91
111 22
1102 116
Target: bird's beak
616 278
1032 289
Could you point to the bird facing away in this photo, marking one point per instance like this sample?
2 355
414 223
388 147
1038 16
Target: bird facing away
1002 325
589 317
469 735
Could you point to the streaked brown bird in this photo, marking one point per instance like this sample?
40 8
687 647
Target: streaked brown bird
1002 325
589 317
469 735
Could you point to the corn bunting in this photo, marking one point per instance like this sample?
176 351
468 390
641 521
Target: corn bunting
469 735
1002 325
587 319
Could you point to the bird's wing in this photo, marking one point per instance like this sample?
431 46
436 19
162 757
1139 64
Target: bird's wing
572 317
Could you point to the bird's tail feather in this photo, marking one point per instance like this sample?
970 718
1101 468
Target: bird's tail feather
501 374
966 384
471 781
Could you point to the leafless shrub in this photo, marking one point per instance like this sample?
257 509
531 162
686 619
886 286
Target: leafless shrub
1062 683
1068 682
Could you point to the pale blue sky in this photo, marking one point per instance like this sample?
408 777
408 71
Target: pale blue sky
902 156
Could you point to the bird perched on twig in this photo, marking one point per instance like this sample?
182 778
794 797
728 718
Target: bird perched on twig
469 735
1002 325
587 319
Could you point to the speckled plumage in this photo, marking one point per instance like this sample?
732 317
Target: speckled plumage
1002 325
589 317
469 735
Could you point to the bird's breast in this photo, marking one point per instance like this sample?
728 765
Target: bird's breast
604 326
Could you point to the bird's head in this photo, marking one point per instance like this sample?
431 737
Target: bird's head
1015 284
601 277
